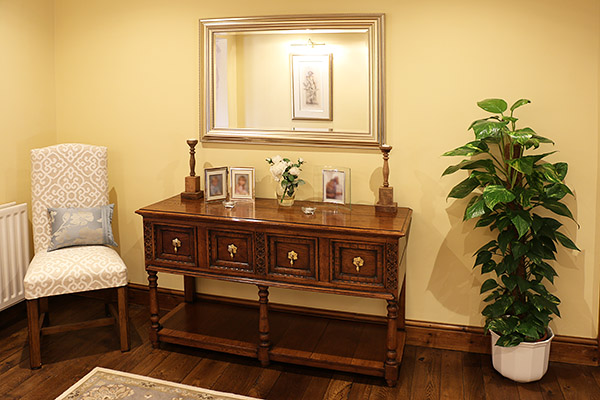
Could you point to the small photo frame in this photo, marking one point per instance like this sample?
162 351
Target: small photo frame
241 183
334 186
215 183
312 87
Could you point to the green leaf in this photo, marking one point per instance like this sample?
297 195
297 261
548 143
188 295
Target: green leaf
511 340
549 172
510 281
488 129
557 191
489 245
488 285
521 136
519 249
542 304
519 103
542 139
496 106
485 220
498 308
492 296
504 239
488 267
469 149
470 164
483 257
475 209
494 194
484 177
522 222
525 164
561 169
519 307
502 326
527 329
464 188
565 241
523 284
558 208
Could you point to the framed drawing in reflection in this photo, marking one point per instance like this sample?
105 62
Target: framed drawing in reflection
312 83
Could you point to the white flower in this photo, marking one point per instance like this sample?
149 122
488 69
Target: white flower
276 159
277 170
301 160
295 171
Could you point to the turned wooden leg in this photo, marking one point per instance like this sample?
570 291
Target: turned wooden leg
123 318
153 291
33 325
263 325
391 362
189 287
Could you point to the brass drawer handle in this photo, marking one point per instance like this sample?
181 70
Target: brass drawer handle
232 249
358 262
176 244
292 256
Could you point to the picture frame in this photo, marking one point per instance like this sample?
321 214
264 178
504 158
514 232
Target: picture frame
312 95
215 183
241 183
334 186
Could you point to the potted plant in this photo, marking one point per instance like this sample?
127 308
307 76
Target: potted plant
515 194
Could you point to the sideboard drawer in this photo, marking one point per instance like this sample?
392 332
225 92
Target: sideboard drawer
175 245
231 250
357 264
292 257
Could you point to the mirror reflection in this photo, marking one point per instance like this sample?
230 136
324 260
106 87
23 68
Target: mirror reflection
292 81
314 80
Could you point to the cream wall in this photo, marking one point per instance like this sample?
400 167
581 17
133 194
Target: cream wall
26 90
127 77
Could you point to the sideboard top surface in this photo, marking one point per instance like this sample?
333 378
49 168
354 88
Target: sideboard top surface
359 217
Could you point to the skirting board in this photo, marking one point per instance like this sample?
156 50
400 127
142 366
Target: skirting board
565 349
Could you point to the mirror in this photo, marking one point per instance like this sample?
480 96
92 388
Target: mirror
295 80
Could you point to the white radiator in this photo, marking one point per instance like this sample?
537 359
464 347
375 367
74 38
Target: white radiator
14 253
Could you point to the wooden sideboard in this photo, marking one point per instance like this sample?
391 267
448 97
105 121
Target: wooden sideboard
346 251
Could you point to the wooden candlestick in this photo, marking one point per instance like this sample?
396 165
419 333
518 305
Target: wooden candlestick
386 192
192 182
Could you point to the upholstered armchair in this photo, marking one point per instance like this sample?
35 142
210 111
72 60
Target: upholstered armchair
73 176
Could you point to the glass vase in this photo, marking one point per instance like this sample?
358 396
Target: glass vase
283 198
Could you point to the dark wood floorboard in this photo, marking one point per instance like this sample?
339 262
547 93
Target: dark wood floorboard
425 373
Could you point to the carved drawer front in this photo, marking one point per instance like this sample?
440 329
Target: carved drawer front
357 264
231 250
292 257
175 245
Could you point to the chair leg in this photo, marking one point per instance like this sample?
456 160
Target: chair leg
33 316
123 318
44 309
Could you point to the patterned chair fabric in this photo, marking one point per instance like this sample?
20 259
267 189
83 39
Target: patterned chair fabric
69 175
72 270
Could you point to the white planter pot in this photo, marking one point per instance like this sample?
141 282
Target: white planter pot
526 362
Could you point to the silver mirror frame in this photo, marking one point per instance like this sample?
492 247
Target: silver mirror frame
373 23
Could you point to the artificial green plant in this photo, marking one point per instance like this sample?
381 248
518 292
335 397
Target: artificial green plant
511 193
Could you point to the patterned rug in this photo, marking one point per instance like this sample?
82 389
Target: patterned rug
107 384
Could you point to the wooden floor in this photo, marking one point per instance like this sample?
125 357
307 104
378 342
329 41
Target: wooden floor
425 373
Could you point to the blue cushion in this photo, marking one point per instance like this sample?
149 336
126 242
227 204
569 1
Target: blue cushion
81 226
